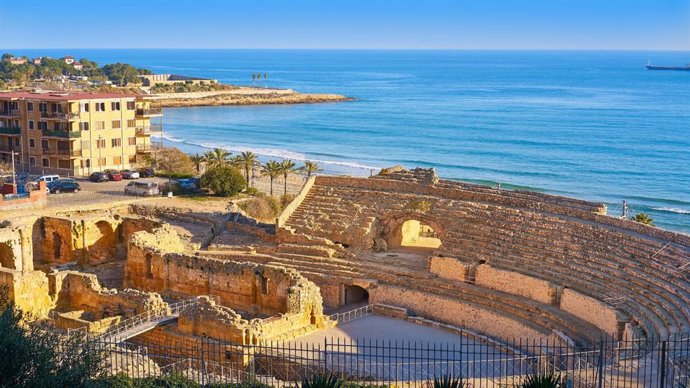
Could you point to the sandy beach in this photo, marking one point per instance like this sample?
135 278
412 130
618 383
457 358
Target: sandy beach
244 96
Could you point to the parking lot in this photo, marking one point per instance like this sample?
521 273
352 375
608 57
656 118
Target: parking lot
94 193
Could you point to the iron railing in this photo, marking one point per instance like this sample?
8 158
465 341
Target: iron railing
351 315
664 364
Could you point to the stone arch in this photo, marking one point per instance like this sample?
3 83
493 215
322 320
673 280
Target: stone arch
355 294
397 232
7 256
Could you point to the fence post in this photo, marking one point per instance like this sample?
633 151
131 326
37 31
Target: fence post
600 366
325 354
662 367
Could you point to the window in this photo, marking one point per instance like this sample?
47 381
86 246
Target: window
64 164
43 107
43 125
100 107
131 105
85 144
117 160
116 124
115 105
132 141
31 124
57 108
32 143
116 143
103 163
84 107
46 162
131 123
32 161
86 163
30 106
44 144
16 141
132 159
83 126
100 143
100 124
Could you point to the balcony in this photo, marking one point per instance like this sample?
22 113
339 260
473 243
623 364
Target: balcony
61 152
10 148
147 130
60 115
10 130
63 134
150 112
144 148
9 113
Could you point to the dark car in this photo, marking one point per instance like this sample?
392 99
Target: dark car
187 184
64 186
146 172
99 177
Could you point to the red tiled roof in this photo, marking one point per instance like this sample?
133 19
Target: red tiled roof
63 96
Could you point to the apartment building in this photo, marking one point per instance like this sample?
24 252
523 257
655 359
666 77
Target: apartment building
75 133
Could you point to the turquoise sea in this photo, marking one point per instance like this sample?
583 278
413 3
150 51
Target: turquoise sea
590 124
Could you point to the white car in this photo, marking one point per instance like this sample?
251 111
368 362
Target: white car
145 189
48 178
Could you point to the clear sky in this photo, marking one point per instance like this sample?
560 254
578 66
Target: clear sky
392 24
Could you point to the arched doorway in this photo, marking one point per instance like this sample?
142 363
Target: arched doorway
355 295
414 233
6 256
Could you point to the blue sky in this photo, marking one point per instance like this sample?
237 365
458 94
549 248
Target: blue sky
392 24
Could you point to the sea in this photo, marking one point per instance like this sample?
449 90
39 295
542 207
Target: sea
589 124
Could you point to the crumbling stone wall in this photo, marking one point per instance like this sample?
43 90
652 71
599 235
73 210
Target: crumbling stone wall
449 268
515 283
28 290
603 316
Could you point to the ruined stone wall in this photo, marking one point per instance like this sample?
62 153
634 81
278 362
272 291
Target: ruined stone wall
58 240
11 255
79 291
28 290
515 283
455 312
449 268
591 310
246 287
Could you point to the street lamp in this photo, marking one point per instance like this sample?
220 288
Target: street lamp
14 179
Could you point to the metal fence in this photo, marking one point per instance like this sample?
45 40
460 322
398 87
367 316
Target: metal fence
616 364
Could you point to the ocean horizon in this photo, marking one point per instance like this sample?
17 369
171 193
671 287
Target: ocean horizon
594 125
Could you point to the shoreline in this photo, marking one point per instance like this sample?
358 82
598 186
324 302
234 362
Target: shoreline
243 96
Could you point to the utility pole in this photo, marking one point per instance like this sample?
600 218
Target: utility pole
14 179
99 154
625 210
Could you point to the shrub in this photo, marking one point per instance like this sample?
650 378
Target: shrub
252 191
286 199
449 381
419 205
223 180
262 207
541 380
322 380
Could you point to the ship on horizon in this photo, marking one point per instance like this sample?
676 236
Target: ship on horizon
649 66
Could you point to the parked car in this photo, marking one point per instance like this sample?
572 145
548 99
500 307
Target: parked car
33 186
48 178
99 177
64 186
113 175
186 184
146 172
130 174
145 189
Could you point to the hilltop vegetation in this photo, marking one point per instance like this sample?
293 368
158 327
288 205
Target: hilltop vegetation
49 68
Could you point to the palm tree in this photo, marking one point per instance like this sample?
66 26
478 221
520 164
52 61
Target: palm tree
272 170
643 218
198 159
218 157
310 168
246 160
265 78
253 79
287 167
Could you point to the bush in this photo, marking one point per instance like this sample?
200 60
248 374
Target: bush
286 199
252 191
223 181
322 380
263 208
448 381
541 380
175 175
174 380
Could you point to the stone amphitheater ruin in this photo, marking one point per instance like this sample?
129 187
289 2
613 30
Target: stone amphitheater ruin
497 263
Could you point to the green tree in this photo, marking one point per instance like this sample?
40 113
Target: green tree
246 160
172 161
197 160
287 167
218 157
272 170
643 218
310 168
223 180
36 356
